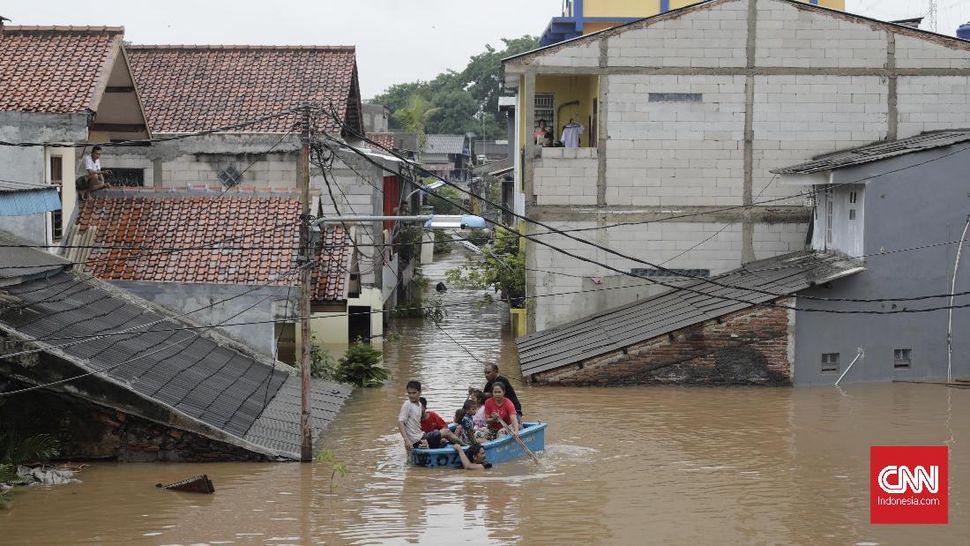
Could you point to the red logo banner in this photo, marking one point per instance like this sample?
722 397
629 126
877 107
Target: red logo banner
908 484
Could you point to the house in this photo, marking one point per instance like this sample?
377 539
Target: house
112 376
582 17
60 89
184 250
447 156
686 114
220 90
869 301
24 208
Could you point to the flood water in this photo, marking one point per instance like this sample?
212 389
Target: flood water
650 465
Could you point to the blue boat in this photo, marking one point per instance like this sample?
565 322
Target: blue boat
500 450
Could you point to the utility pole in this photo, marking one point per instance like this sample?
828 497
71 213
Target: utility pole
932 16
306 259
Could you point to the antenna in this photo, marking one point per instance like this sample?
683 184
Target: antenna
931 15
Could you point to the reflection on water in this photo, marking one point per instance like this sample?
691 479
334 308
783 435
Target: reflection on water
651 465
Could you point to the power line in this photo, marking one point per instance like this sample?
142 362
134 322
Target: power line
621 255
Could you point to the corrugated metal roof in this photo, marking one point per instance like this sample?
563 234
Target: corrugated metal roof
664 313
188 372
444 144
18 199
14 261
877 152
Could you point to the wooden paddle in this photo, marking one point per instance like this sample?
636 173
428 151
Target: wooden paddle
519 440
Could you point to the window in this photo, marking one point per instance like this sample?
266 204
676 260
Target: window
57 178
853 197
902 358
851 214
829 211
675 97
126 177
230 176
654 272
830 362
545 109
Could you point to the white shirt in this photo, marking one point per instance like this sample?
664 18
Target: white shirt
91 164
570 135
410 415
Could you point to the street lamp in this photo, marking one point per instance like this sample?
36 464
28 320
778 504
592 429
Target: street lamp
430 221
432 186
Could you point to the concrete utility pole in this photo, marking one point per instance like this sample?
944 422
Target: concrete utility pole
306 260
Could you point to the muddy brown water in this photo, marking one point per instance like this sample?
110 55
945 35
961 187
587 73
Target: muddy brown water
649 465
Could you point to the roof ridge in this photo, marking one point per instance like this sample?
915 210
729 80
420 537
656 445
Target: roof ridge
227 47
9 29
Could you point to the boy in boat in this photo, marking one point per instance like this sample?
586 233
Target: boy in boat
465 419
409 421
434 427
473 458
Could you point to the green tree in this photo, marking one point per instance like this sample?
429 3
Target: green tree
414 117
500 267
466 99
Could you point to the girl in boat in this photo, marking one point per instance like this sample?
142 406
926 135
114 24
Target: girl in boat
499 413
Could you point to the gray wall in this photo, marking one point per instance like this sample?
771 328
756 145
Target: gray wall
27 164
182 298
918 206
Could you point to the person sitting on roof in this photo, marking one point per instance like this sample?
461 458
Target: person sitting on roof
92 179
435 428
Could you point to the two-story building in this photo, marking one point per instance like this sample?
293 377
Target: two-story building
881 294
684 115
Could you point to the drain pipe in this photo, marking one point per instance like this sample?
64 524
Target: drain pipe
949 321
861 354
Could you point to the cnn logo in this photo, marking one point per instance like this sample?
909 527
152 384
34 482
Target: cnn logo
897 480
908 484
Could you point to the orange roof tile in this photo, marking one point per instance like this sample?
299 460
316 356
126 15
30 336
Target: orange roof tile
55 69
257 235
384 139
189 88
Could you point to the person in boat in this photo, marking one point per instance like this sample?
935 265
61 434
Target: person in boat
465 421
499 413
479 397
491 377
472 458
432 423
409 421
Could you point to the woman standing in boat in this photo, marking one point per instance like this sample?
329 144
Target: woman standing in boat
499 412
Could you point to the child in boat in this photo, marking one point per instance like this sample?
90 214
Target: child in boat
479 397
500 413
432 423
465 419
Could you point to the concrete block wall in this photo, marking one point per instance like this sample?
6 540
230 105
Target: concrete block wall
933 103
790 36
673 245
700 38
566 176
582 56
920 53
675 153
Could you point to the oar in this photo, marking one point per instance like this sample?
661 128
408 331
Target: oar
519 440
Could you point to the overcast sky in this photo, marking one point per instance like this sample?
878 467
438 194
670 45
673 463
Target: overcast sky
397 40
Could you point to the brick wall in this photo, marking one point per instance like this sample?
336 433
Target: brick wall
749 347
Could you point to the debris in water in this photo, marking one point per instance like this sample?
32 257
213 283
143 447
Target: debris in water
195 484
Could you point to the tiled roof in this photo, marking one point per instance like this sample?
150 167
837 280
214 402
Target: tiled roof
209 385
189 88
878 152
333 271
55 69
646 319
445 144
259 238
384 139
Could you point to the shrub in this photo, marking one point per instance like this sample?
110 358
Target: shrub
360 366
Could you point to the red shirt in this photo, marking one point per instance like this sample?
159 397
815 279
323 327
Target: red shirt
433 422
506 412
